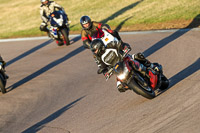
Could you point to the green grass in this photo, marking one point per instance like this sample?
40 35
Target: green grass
22 18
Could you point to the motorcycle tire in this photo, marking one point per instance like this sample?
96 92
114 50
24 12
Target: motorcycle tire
65 34
59 43
139 89
2 84
165 83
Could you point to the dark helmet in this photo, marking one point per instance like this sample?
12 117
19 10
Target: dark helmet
85 20
97 46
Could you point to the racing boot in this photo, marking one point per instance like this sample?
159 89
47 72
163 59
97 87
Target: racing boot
140 57
157 68
48 33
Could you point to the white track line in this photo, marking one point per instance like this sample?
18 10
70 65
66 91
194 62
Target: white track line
121 33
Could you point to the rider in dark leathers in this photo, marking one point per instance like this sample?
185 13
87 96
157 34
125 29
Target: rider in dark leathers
89 28
3 63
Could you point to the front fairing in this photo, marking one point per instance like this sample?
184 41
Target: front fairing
57 19
122 72
54 31
105 36
110 57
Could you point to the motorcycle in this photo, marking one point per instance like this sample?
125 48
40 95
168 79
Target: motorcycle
130 78
3 79
59 28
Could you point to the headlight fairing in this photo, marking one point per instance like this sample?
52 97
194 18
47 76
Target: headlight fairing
124 74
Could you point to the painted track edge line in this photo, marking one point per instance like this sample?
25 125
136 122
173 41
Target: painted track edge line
121 33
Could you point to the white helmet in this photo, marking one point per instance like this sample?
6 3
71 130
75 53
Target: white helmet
43 1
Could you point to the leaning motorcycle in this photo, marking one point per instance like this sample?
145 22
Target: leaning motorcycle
59 28
120 64
3 79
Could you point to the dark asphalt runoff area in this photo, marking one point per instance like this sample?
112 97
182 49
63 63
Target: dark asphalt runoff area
55 89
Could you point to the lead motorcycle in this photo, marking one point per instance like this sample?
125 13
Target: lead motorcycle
130 78
3 79
59 28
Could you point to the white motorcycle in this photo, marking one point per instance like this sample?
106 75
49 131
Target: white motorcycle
59 28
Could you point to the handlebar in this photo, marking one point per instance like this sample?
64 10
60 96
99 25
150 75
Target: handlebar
109 73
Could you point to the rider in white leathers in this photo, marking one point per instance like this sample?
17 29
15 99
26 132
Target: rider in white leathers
46 8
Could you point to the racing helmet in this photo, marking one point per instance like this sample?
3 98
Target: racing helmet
85 20
97 47
43 1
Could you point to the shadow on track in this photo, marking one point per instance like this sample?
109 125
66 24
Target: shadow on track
183 74
75 39
28 52
46 68
113 16
122 23
195 23
123 10
38 126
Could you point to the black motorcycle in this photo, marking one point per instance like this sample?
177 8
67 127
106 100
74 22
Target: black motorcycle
59 28
3 79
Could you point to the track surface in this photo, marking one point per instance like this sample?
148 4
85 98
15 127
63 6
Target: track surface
55 89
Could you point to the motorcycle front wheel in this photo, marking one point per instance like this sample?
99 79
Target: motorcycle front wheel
139 89
2 85
65 33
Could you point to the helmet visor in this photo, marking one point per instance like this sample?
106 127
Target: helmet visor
86 25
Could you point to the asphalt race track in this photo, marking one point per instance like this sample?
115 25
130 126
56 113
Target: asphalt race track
55 89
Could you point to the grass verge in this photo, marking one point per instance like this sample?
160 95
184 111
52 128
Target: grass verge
22 18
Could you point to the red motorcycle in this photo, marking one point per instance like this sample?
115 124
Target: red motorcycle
133 80
121 65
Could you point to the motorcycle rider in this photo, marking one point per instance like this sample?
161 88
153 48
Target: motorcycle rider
89 28
98 48
3 64
46 8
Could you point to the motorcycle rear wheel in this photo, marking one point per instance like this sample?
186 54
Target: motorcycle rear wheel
65 36
139 89
165 83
